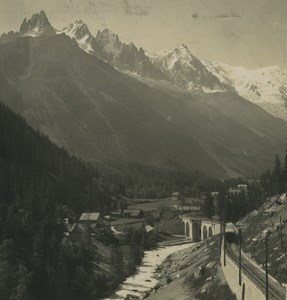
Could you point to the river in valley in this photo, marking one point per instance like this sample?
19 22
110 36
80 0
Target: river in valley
142 281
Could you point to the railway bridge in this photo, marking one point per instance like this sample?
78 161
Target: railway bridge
199 229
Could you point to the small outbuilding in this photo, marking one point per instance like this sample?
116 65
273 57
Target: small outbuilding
90 218
149 229
175 196
116 214
133 213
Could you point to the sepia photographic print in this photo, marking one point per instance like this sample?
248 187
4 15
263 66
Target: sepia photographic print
143 149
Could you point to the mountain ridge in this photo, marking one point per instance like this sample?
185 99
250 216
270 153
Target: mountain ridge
85 105
265 87
107 46
187 71
99 113
37 25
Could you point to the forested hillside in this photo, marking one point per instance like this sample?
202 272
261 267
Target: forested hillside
40 185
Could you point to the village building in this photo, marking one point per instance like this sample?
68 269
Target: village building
116 214
214 194
242 187
149 229
234 191
90 219
187 208
133 213
120 226
176 196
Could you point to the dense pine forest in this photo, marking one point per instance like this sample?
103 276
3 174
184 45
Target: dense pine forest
275 181
137 180
40 185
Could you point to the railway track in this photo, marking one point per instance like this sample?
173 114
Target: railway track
257 276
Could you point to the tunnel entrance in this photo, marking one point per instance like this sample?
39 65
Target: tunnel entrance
210 233
187 230
204 232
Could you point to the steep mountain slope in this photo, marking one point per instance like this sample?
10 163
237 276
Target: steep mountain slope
266 87
43 192
37 25
99 113
80 32
270 218
186 71
107 46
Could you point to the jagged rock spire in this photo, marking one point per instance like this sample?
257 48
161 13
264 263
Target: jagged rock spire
37 25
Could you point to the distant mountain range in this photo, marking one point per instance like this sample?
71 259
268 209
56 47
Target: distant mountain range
115 102
107 46
265 87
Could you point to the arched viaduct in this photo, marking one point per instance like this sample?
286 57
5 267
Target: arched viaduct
197 229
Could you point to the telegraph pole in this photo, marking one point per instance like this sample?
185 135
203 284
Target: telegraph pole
224 246
239 235
281 237
266 266
220 237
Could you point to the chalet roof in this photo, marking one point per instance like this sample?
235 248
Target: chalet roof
240 186
133 212
126 221
176 193
187 207
148 228
192 201
117 212
234 191
90 216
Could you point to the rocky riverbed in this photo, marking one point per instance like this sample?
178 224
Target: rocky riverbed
146 278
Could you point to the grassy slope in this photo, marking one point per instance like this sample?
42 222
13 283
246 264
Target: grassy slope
180 268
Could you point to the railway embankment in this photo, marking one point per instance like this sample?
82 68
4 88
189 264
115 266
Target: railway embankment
250 282
193 273
264 239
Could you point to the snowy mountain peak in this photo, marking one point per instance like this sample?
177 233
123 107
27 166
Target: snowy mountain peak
109 40
266 87
183 50
179 55
186 71
79 31
37 25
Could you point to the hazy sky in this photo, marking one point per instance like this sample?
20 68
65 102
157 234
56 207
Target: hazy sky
251 33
